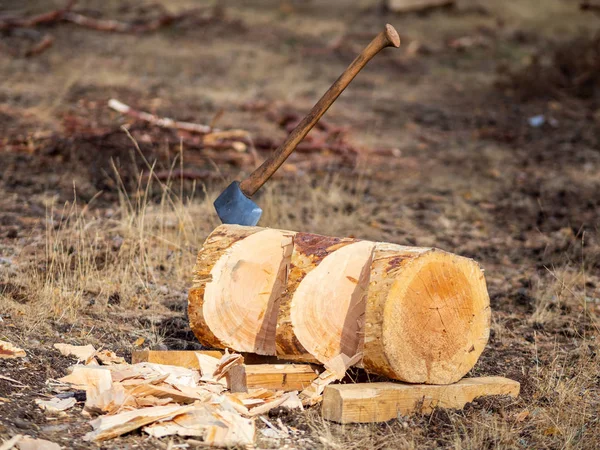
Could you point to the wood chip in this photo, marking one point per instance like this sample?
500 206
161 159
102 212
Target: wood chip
336 370
208 366
238 431
56 404
107 427
28 443
192 423
179 376
408 6
86 377
226 362
9 351
81 352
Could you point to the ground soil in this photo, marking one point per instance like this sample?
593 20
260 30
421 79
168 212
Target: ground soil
444 153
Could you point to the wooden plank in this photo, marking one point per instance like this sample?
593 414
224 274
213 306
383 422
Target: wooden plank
380 402
187 358
287 377
180 358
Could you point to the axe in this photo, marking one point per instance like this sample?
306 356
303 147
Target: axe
235 205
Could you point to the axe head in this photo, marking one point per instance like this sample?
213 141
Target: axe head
233 207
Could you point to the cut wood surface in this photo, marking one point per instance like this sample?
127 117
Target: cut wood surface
285 377
427 315
308 252
419 315
238 286
380 402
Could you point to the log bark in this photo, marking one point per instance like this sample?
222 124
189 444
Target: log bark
418 315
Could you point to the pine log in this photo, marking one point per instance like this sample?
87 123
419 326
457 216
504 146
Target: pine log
419 315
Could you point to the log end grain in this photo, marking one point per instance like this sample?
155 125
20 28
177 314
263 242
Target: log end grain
433 319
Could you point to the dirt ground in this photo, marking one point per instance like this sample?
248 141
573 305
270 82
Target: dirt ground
438 146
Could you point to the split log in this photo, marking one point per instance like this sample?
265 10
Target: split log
419 315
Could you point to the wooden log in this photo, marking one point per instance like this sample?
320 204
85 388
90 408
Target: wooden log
380 402
419 315
286 377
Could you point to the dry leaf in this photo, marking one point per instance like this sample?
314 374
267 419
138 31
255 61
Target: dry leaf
9 351
522 415
139 341
551 431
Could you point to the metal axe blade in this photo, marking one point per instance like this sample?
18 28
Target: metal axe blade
233 207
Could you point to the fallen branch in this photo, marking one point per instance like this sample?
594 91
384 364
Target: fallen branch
30 22
163 122
44 44
66 14
126 27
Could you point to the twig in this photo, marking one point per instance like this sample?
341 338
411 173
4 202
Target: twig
163 122
30 22
125 27
186 175
44 44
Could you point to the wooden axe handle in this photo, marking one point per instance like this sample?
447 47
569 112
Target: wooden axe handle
387 38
